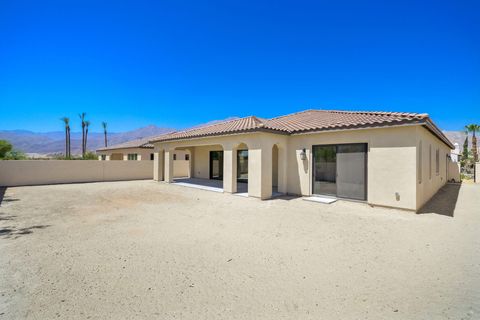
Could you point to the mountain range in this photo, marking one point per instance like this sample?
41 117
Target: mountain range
49 143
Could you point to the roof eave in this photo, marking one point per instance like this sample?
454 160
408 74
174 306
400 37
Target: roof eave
119 148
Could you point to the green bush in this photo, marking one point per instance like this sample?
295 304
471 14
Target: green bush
90 156
5 147
14 155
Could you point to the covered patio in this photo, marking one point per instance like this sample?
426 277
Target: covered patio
252 164
209 184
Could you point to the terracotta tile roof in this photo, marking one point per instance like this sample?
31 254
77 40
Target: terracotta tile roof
138 143
230 126
308 121
319 120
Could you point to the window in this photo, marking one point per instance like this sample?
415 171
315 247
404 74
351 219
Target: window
437 162
430 162
187 157
104 157
152 156
174 156
132 156
420 164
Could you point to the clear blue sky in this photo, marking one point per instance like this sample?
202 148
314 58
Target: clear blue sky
179 63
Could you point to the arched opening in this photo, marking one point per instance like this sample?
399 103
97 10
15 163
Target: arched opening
242 164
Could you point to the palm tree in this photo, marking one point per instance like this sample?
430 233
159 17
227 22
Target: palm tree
66 121
473 128
87 123
82 118
104 125
465 145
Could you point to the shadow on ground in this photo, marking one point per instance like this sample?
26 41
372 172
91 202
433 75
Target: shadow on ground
14 232
4 198
444 202
285 197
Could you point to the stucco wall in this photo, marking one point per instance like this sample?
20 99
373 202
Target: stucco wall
37 172
428 184
181 168
454 171
390 163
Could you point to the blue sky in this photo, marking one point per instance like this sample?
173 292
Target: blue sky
180 63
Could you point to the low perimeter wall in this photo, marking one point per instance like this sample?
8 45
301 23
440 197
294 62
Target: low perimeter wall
454 171
37 172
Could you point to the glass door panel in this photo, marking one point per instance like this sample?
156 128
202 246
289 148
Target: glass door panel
216 165
351 171
324 170
242 165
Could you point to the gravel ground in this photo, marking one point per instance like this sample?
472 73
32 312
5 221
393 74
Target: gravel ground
143 250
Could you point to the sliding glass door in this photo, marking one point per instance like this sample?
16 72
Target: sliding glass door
216 165
352 171
325 170
340 170
242 165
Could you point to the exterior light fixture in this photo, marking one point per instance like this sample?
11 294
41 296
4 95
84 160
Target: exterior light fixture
303 154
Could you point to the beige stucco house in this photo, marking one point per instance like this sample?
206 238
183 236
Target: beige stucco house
382 158
142 150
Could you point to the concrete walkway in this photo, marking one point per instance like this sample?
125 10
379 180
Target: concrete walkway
208 184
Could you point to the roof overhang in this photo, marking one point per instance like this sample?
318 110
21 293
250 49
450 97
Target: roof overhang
121 148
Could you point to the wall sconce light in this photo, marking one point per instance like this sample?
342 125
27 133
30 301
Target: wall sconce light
303 154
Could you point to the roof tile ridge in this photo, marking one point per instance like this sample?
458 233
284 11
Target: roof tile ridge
388 113
292 114
212 125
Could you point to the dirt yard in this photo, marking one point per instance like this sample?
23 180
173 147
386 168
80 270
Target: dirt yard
144 250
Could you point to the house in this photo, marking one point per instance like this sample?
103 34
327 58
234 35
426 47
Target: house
456 155
388 159
137 150
142 150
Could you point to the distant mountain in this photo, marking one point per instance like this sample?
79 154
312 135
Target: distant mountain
458 137
54 142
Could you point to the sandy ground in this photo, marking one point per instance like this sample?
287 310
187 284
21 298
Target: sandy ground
143 250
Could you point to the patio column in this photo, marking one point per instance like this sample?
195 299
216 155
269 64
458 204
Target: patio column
107 157
191 162
229 169
260 171
169 165
158 166
125 157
